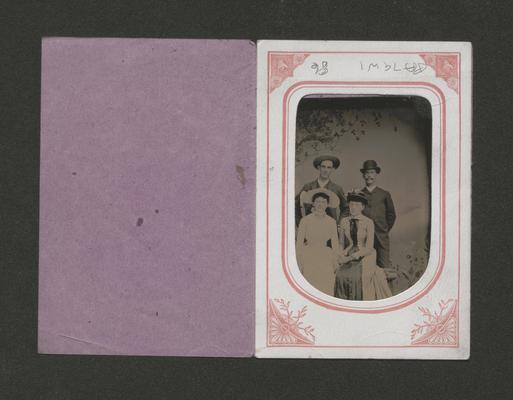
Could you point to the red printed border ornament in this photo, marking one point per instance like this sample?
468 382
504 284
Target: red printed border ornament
439 327
286 327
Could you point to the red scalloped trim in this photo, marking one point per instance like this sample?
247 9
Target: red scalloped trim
446 67
283 66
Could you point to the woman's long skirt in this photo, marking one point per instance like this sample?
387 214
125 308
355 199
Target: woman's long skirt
318 268
348 281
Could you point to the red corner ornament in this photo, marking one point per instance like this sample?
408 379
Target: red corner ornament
286 327
438 328
283 66
446 67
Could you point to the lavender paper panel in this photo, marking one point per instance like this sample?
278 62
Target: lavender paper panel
147 198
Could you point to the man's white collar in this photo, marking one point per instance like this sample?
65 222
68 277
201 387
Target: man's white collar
322 184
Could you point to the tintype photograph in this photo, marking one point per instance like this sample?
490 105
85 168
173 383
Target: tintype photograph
362 183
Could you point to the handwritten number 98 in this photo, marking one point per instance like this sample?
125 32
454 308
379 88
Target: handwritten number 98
320 69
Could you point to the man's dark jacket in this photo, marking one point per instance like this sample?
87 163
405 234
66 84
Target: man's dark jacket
380 209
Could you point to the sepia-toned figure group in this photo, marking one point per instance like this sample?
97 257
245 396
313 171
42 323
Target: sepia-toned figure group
342 242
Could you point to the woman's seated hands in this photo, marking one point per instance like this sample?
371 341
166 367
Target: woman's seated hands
342 259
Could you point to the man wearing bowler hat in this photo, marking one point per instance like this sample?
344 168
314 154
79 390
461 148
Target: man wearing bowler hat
325 164
380 208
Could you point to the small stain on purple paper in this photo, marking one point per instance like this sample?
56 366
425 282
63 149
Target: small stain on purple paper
240 172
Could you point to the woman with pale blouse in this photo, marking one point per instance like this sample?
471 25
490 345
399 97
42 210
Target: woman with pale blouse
317 245
358 277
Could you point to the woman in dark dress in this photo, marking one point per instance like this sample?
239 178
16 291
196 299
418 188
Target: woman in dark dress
358 277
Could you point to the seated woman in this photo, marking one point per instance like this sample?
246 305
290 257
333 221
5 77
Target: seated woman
317 261
358 277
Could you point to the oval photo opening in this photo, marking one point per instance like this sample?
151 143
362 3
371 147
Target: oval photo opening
362 184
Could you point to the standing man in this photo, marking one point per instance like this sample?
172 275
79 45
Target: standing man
325 164
380 208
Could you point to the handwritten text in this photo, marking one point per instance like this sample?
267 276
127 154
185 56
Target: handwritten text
412 67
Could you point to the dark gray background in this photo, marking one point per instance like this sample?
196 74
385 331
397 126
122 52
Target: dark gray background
25 374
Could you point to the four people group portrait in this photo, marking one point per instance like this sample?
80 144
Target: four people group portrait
342 241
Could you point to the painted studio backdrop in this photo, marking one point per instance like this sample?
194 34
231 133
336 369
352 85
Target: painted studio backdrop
395 131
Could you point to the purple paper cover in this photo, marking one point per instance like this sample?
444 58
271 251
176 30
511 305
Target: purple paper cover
147 197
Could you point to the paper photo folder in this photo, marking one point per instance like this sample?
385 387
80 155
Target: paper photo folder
147 197
165 226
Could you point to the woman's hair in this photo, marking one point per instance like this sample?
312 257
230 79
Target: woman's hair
321 194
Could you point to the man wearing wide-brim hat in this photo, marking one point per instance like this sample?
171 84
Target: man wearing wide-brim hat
380 208
325 164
